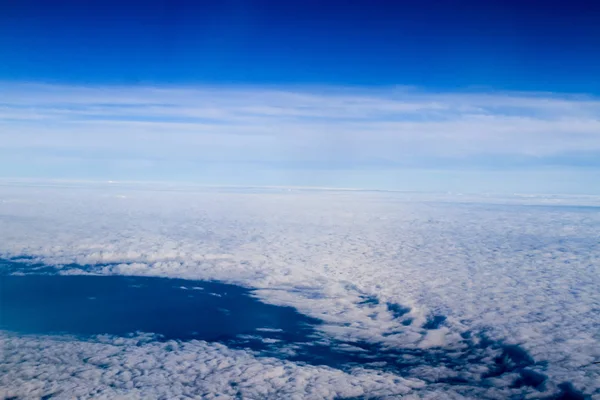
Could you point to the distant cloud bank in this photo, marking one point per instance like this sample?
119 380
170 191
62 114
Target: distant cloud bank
284 135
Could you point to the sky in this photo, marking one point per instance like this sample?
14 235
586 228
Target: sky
474 96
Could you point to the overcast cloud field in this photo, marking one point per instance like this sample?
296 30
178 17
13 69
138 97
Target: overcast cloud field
181 292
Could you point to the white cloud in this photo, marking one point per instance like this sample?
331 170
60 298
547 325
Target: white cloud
113 367
522 274
290 126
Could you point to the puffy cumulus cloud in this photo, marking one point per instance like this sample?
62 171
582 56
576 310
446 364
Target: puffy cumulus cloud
139 367
400 271
335 127
109 368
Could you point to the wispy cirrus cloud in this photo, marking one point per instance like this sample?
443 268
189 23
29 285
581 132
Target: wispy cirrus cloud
314 129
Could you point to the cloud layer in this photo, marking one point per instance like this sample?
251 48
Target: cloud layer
143 130
399 271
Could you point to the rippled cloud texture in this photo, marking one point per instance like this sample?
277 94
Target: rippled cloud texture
505 291
378 138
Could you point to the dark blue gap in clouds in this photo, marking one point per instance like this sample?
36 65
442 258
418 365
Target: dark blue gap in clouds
176 309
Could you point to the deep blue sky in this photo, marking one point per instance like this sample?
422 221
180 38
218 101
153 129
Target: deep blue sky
440 45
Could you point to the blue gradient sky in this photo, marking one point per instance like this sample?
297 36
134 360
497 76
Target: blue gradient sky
471 95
